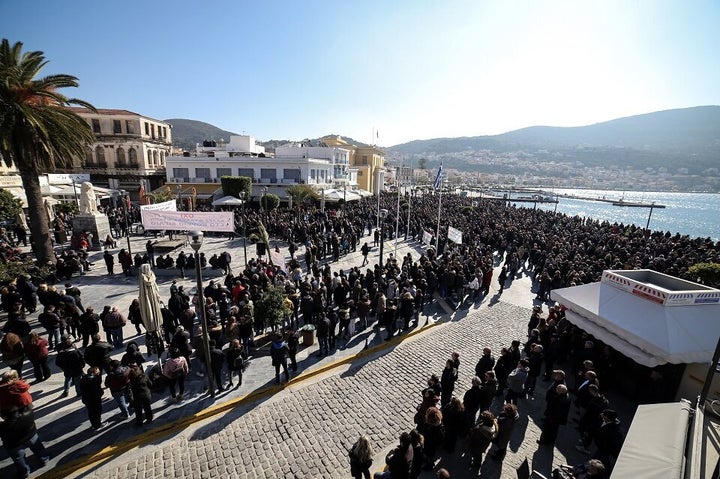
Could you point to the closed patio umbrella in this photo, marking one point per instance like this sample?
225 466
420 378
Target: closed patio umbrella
150 310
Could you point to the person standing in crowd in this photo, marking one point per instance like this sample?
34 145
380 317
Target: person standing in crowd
118 382
89 325
37 351
19 432
506 423
217 359
447 382
134 315
114 322
556 415
51 322
361 458
480 437
140 395
175 370
279 355
97 354
91 391
398 460
70 360
109 262
235 362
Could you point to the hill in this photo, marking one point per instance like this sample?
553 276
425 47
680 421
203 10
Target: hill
682 138
187 133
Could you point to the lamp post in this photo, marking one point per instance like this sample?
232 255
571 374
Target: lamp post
195 238
123 200
178 197
243 197
383 214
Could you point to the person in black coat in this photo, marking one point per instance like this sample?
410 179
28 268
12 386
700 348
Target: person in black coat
447 382
18 432
471 402
503 367
97 354
485 364
608 439
556 415
279 355
91 391
140 387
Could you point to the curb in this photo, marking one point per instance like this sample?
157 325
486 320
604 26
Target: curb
107 453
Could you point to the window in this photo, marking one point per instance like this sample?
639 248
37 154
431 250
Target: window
89 160
268 173
152 130
132 157
96 126
120 157
364 160
147 128
164 132
247 172
117 127
130 127
360 173
100 155
181 172
202 173
224 172
155 158
291 174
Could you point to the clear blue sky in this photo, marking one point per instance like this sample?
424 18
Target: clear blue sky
411 69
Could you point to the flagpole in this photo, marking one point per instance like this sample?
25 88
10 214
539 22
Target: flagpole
397 215
407 226
439 180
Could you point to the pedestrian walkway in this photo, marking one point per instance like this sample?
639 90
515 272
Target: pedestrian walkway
304 429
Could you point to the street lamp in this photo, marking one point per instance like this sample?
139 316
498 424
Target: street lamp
123 201
178 197
243 197
382 214
195 238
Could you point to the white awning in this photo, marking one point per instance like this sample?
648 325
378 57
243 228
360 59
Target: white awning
648 332
654 446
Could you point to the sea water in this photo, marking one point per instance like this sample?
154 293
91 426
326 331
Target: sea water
692 214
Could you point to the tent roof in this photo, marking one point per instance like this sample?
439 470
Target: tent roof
228 201
648 332
654 447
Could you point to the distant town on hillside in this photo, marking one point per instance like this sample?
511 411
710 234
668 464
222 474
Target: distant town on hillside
671 150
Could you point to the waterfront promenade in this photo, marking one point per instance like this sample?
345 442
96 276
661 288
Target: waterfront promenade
301 430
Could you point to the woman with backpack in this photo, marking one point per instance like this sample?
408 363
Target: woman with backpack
175 369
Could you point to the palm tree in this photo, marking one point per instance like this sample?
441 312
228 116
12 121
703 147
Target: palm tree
38 131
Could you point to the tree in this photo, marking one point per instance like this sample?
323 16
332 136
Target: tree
705 273
422 163
271 307
300 193
269 201
235 185
10 206
38 132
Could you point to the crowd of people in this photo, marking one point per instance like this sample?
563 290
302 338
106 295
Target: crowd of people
557 250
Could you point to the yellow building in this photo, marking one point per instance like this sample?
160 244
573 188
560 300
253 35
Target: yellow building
369 161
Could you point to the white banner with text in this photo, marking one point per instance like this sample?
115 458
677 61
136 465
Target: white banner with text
170 205
454 235
427 237
188 220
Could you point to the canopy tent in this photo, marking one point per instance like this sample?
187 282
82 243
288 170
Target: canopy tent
654 447
362 193
642 329
332 195
228 201
68 191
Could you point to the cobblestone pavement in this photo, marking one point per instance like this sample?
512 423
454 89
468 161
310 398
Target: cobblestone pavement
305 431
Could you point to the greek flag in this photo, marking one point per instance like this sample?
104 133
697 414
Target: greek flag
438 178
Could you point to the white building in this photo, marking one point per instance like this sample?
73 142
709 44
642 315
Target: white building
201 171
343 176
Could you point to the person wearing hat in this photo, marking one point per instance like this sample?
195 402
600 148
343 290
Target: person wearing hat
556 415
608 439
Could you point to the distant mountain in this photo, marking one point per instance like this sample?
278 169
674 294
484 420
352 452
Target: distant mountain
682 138
187 133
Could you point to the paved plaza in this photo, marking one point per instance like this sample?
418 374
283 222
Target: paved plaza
304 429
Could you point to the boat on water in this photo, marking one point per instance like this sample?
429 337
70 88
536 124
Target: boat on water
636 204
